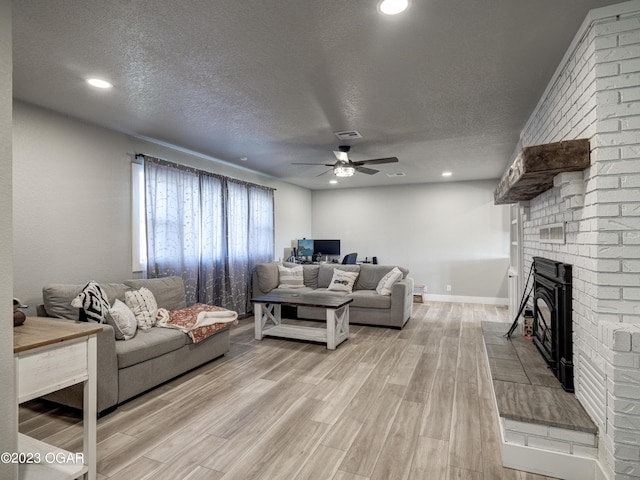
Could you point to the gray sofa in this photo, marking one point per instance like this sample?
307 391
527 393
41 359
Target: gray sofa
367 308
153 356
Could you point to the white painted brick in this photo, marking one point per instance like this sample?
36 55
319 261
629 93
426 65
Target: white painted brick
631 152
627 222
604 70
548 444
617 82
629 66
630 181
526 427
631 238
626 452
630 266
583 451
516 438
630 95
572 436
626 38
631 293
630 209
626 470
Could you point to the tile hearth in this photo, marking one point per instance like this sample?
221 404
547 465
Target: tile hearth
535 412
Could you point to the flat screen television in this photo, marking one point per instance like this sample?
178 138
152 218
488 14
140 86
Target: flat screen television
326 247
305 247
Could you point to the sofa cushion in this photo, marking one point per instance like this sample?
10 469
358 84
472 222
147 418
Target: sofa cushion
325 273
267 276
168 291
290 277
57 298
369 299
311 275
370 275
148 344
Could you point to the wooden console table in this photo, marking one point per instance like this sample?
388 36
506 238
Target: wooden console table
50 355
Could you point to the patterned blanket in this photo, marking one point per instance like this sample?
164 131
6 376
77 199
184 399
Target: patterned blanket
198 321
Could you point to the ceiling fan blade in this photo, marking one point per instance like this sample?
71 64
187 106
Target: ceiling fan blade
341 156
325 172
368 171
323 164
377 161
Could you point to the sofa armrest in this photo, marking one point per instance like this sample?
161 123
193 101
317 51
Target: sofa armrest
402 300
107 374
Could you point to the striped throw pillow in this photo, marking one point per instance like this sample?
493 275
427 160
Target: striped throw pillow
290 277
92 302
143 305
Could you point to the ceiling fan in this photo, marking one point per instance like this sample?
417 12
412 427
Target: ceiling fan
344 167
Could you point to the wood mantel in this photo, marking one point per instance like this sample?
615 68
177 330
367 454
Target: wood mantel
533 169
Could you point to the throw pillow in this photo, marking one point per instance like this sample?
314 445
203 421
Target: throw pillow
123 321
92 302
291 277
343 281
143 305
386 282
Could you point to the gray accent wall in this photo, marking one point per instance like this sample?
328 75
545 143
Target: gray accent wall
72 200
8 407
447 233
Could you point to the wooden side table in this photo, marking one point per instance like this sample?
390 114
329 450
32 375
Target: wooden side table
50 355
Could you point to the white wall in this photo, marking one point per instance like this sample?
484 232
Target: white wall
72 197
446 234
596 95
8 408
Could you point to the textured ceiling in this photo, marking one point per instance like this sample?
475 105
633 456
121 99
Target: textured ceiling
447 85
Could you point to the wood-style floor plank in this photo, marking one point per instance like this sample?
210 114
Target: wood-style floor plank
386 404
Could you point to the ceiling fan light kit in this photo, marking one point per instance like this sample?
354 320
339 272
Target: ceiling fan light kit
344 171
393 7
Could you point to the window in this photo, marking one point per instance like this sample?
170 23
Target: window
209 229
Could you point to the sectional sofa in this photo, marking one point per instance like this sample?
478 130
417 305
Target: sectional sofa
368 307
131 367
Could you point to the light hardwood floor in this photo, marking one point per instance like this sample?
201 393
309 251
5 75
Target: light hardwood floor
386 405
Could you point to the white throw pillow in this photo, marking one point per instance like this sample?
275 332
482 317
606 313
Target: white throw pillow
123 321
291 277
144 307
343 281
386 282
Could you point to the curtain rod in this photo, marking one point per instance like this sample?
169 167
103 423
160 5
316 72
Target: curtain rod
168 163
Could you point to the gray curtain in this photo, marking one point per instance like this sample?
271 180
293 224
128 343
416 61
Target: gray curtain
209 229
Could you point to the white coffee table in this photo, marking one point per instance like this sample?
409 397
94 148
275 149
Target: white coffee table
268 308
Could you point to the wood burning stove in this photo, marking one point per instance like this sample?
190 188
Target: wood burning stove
552 324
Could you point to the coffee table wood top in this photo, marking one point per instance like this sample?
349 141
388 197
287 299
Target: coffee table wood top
304 300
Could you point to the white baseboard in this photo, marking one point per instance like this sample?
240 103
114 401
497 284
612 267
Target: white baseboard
462 299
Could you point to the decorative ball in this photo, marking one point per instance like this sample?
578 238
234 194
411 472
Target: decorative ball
18 318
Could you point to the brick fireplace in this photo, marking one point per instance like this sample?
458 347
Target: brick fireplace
595 94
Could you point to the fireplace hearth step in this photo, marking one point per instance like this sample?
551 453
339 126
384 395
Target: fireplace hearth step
526 389
543 428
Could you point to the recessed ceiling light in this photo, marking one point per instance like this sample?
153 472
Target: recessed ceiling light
99 83
333 182
244 159
393 7
446 174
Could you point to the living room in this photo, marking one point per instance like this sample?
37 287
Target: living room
71 183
